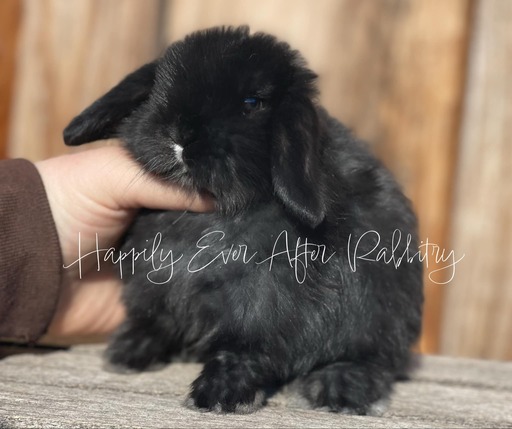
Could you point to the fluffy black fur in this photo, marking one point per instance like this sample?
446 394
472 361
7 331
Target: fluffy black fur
235 115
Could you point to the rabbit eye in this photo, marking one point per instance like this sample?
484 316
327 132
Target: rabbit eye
252 104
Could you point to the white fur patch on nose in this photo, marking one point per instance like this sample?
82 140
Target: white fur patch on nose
178 151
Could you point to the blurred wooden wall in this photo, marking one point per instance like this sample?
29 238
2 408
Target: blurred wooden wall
70 52
9 23
478 310
396 71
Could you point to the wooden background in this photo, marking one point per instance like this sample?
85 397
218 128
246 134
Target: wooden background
427 82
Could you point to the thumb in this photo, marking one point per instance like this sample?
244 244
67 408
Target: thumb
126 186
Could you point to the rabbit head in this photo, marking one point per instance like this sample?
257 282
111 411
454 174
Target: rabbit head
221 111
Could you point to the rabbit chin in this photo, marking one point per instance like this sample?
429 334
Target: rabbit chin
233 193
230 195
234 201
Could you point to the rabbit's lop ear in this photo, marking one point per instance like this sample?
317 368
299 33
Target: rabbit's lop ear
296 174
102 118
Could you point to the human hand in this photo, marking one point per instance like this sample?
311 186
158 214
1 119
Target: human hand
98 192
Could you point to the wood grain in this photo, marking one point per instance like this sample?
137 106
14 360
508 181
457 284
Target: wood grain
392 70
70 53
478 312
10 12
71 389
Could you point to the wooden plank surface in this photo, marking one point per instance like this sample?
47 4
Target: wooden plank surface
70 389
478 312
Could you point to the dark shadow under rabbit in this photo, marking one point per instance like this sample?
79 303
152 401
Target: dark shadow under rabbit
306 272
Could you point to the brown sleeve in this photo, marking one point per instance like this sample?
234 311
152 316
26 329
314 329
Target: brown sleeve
30 257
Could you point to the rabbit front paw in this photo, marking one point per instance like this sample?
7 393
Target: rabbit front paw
226 384
349 388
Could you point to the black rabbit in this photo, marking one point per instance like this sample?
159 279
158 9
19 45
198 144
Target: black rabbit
307 270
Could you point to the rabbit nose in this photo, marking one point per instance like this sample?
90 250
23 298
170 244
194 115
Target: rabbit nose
204 152
190 153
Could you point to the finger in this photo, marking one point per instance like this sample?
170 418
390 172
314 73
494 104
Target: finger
142 190
128 186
